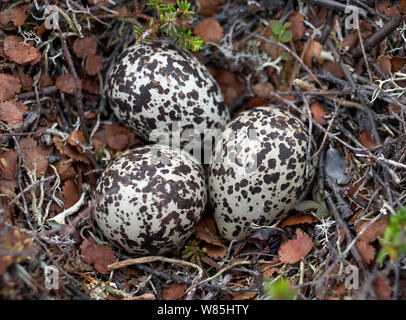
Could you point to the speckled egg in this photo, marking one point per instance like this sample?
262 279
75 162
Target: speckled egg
150 199
155 84
258 170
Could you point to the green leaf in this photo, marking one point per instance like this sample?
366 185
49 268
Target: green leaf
3 162
276 27
275 37
287 25
281 289
307 205
286 36
285 56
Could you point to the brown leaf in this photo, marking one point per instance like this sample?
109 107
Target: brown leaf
19 15
65 169
295 250
314 49
383 288
384 63
12 112
366 251
402 7
210 7
77 138
70 194
397 63
113 136
244 295
5 16
174 291
100 255
94 64
297 28
231 88
9 86
374 231
206 231
21 53
9 172
68 150
333 68
350 41
7 188
365 138
209 30
263 89
66 83
26 81
34 155
298 219
86 46
318 112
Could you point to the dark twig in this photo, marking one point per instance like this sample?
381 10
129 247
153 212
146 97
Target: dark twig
378 36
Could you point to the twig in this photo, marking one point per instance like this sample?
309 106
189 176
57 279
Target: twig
378 36
126 263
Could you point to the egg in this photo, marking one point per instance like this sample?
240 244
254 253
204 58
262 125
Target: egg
150 199
155 87
258 170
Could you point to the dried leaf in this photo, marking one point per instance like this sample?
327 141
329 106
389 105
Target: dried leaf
19 15
9 172
366 251
314 49
66 83
350 41
9 86
68 150
70 194
334 68
209 30
100 255
12 112
365 139
374 231
263 89
244 295
76 139
115 137
26 81
297 249
298 219
383 288
385 64
210 7
297 28
5 16
85 47
397 63
206 231
318 112
21 53
94 64
231 88
174 291
34 155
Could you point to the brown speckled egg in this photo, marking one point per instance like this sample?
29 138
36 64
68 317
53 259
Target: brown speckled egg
151 199
154 84
257 170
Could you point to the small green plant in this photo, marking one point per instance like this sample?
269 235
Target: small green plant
173 22
281 289
394 237
192 251
280 32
